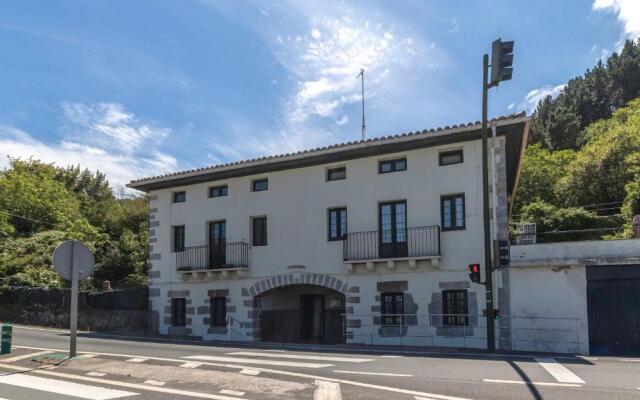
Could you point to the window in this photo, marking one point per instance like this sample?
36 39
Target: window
178 238
455 307
392 308
179 197
452 209
218 191
392 165
337 223
178 312
450 157
259 185
218 307
335 174
259 231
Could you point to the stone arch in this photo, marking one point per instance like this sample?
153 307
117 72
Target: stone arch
265 285
298 278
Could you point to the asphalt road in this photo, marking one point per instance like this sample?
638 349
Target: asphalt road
117 367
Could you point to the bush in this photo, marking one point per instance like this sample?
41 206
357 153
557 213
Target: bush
549 218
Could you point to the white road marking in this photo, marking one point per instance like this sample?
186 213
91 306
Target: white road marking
256 361
327 391
190 365
558 371
630 360
423 398
98 374
390 356
532 383
137 386
232 392
136 360
154 383
301 357
23 356
63 387
251 372
275 371
371 373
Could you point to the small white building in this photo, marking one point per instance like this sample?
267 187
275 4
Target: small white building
363 242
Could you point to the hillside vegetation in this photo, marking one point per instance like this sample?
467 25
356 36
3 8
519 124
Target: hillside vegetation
581 168
42 205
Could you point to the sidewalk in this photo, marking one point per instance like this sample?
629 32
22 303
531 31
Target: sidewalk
336 348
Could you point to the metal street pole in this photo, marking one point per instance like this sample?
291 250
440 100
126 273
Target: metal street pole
73 321
491 343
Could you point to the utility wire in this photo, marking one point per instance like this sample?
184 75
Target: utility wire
27 218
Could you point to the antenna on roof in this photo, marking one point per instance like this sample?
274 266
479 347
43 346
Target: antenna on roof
364 127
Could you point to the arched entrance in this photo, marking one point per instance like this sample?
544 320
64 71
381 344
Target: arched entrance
301 313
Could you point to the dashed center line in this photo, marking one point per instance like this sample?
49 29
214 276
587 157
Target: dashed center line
190 365
532 383
154 383
136 360
301 357
231 392
371 373
558 371
251 372
256 361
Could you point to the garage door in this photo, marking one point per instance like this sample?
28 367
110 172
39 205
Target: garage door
613 305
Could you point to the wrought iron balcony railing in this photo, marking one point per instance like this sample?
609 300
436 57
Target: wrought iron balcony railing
421 241
217 255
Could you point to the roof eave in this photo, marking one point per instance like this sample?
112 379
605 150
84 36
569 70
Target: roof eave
326 155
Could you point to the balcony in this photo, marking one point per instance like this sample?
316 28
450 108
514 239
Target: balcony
219 258
391 246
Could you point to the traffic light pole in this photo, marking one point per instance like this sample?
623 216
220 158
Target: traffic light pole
491 342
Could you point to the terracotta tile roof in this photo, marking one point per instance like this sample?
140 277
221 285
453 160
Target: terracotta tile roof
336 147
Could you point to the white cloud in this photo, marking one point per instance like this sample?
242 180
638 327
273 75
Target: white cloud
327 59
628 13
534 96
101 136
322 46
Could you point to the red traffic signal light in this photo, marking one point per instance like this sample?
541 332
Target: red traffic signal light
474 273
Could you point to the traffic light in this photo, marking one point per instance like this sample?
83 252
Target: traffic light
496 313
501 61
474 273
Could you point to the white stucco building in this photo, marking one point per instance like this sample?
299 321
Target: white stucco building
369 242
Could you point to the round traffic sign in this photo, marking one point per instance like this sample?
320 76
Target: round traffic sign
70 252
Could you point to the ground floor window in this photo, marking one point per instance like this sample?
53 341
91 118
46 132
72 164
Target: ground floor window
392 308
178 312
218 311
455 307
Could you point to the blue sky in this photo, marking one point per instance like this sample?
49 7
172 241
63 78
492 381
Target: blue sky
138 88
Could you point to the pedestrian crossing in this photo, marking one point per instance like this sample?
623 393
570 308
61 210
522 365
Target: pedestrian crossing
83 391
538 371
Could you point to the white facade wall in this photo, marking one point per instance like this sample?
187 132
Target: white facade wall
296 207
549 309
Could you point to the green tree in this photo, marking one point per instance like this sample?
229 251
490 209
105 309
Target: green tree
561 123
542 169
604 166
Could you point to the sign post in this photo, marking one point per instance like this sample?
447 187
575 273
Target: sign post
73 261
